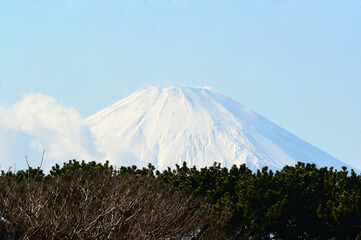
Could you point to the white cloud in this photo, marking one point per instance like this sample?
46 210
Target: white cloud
39 122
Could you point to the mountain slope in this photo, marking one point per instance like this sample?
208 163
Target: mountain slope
169 125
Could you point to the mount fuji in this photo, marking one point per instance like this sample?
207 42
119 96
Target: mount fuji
169 125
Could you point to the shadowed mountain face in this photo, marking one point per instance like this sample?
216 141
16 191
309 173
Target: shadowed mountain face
169 125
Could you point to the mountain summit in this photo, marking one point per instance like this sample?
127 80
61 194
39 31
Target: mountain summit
169 125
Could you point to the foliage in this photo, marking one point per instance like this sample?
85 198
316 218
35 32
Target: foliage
95 201
300 202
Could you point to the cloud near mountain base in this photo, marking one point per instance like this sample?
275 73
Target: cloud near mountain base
39 122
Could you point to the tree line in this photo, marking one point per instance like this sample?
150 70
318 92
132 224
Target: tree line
89 200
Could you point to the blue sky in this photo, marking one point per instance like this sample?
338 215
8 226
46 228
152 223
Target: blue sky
295 62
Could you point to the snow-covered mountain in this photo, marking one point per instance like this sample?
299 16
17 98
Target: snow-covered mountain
169 125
